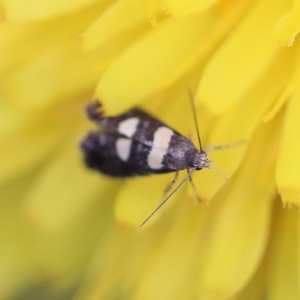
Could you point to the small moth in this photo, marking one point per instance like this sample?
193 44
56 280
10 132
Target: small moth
136 144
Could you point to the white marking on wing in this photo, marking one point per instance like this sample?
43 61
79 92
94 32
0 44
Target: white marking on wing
128 127
162 138
123 147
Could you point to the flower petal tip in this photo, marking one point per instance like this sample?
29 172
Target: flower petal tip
286 29
290 196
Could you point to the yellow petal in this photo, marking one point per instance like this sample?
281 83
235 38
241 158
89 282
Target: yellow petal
294 77
180 8
117 20
115 251
239 221
137 199
277 106
25 251
16 239
64 179
288 26
30 87
248 114
177 46
283 271
255 288
20 43
179 250
288 167
225 81
26 146
12 120
24 10
36 80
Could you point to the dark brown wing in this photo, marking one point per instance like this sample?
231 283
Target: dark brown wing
146 127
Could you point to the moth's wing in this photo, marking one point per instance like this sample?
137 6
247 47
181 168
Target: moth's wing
136 131
135 123
115 155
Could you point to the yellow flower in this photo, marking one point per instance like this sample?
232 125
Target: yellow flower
68 232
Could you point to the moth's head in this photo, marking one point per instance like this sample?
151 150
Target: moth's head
200 161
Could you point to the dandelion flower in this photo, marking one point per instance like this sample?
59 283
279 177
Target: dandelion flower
68 232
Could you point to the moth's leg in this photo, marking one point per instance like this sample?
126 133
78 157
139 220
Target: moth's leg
95 111
170 184
193 186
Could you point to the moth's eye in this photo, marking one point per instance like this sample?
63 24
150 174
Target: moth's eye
198 169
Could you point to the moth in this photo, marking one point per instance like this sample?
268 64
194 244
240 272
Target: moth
136 143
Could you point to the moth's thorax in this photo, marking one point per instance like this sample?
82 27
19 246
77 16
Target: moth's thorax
198 160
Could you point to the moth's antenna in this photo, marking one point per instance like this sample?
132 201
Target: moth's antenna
195 117
168 197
